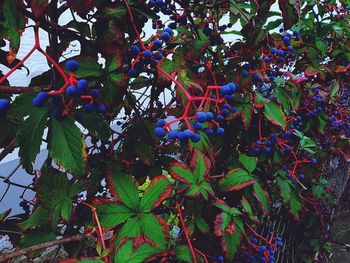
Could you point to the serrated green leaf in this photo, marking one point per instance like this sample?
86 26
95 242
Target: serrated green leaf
66 145
236 180
29 137
153 229
88 67
123 187
274 113
96 125
249 163
111 214
158 190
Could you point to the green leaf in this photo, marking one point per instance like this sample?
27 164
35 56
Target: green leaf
111 215
158 190
249 163
261 196
231 242
202 225
247 115
318 191
183 254
295 204
153 229
201 165
30 135
130 229
66 145
181 172
236 180
274 113
40 217
247 207
88 67
22 106
126 254
123 187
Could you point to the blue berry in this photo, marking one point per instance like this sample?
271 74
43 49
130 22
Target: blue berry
166 36
290 48
210 115
4 105
273 50
267 59
197 126
220 258
158 56
89 108
232 87
147 53
159 132
233 109
160 123
256 76
313 160
220 131
245 73
267 149
168 30
82 84
196 137
201 117
301 176
225 89
280 52
209 131
188 134
40 99
95 93
72 65
135 50
133 73
101 108
219 117
172 135
158 43
72 91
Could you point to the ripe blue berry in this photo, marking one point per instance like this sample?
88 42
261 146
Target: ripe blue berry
89 108
135 50
201 117
172 135
210 115
4 105
220 258
82 84
290 48
158 56
101 108
158 43
168 30
301 176
159 132
273 50
280 52
160 123
95 93
267 149
209 131
232 87
72 91
72 65
188 134
267 59
196 137
245 74
313 160
166 36
256 76
147 53
220 131
197 126
133 73
225 89
40 99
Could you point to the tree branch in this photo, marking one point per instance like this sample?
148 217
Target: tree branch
20 90
28 250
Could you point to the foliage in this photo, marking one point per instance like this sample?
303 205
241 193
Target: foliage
184 137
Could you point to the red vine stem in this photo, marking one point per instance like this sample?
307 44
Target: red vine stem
186 233
99 228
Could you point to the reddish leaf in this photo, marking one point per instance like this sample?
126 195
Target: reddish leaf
39 7
290 12
181 173
310 71
200 165
236 180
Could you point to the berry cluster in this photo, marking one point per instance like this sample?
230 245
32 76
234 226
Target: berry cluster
205 121
148 55
75 91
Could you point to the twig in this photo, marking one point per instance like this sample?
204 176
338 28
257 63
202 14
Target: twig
8 149
28 250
